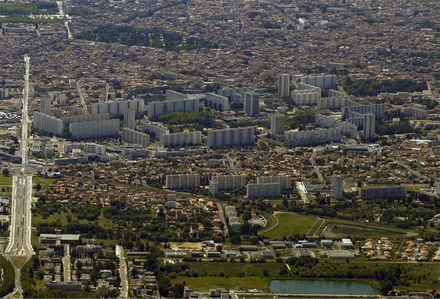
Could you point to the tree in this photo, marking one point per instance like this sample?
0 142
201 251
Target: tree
5 172
38 187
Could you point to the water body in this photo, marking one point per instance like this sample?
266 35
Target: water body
333 287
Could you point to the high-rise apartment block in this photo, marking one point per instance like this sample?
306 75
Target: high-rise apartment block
46 106
181 139
217 102
226 182
312 137
133 136
283 85
129 118
337 187
182 181
263 190
277 124
231 137
285 181
251 103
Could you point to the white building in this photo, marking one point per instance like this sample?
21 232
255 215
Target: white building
312 137
47 123
133 136
231 137
156 130
182 181
347 129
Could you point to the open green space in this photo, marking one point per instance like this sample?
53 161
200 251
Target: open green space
61 219
21 9
234 283
290 224
5 180
344 228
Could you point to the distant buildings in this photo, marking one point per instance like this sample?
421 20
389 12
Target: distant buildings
118 108
283 85
182 181
156 109
382 192
322 81
231 137
251 103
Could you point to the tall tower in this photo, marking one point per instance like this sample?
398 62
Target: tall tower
129 118
251 103
369 129
283 85
45 105
277 123
337 187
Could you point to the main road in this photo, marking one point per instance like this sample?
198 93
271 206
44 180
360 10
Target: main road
19 248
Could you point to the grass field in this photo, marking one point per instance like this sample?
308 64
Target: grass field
290 224
271 221
5 180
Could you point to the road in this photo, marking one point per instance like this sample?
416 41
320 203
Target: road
81 96
67 273
222 217
316 167
19 247
123 273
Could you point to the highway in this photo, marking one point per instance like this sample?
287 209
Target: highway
19 245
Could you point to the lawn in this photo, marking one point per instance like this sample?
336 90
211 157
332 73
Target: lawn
207 283
5 180
290 224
